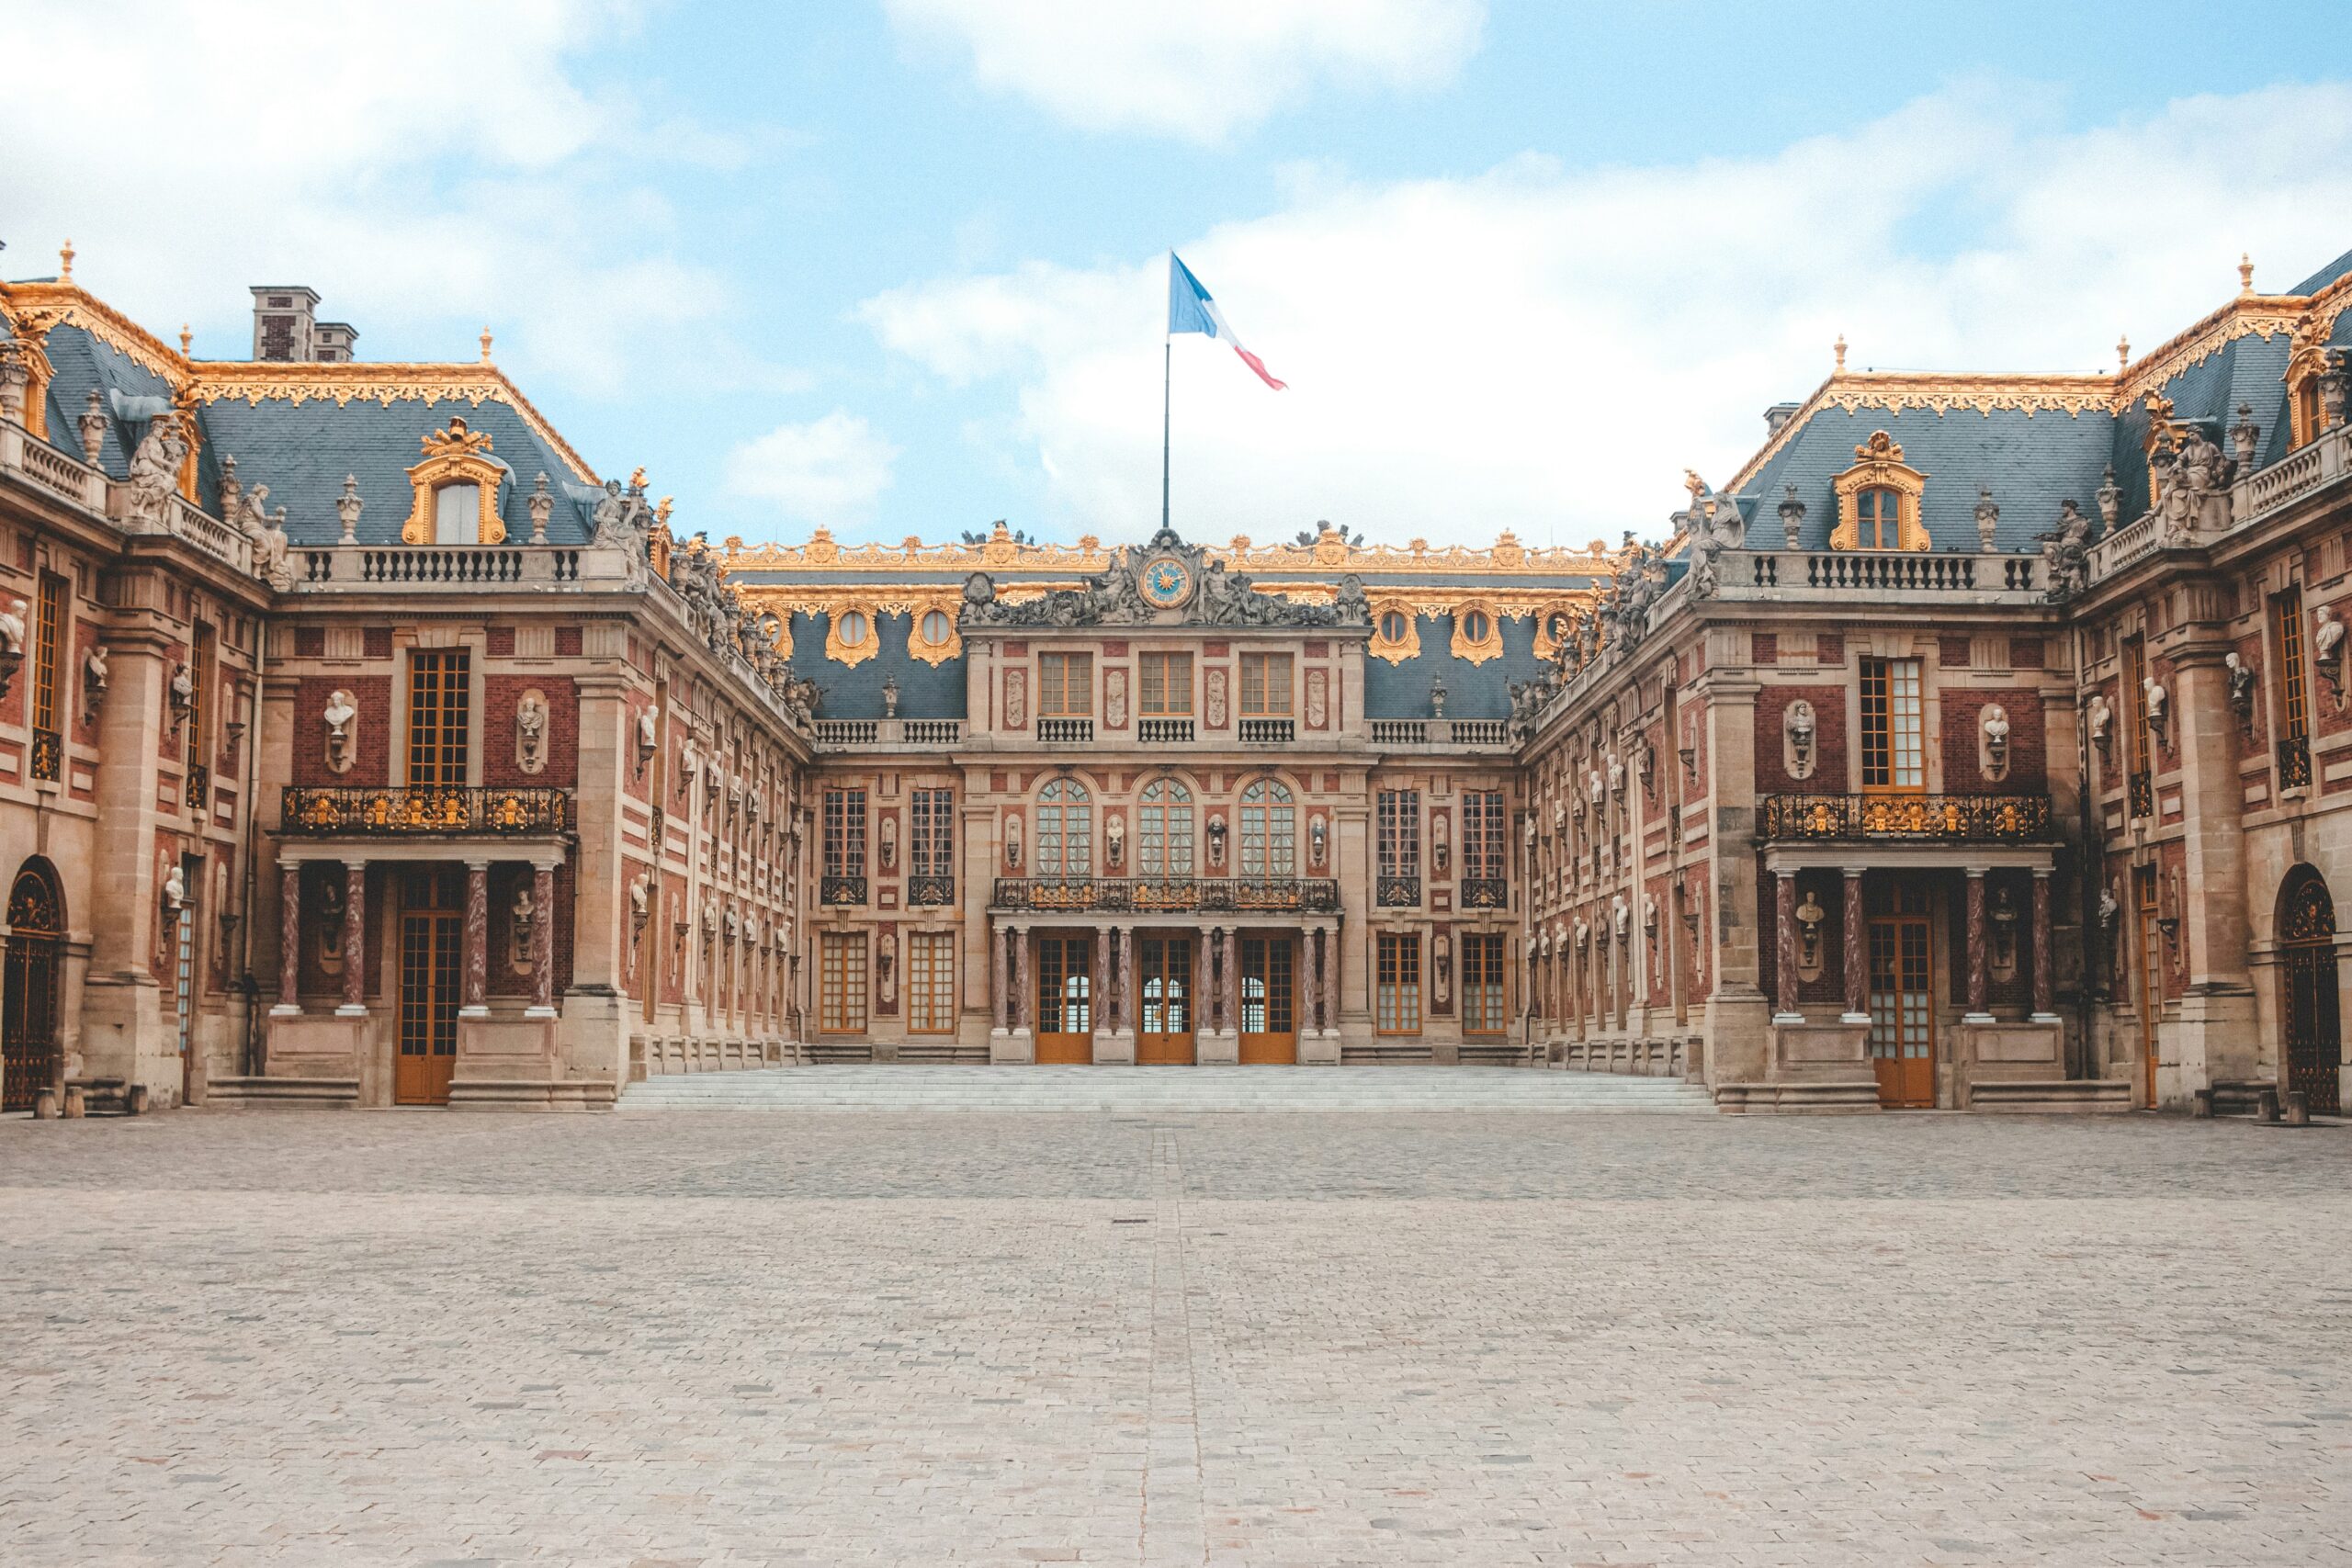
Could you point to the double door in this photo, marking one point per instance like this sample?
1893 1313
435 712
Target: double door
1164 991
1903 1011
1269 998
1066 997
431 959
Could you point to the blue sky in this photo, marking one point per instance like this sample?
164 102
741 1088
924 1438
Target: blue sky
893 266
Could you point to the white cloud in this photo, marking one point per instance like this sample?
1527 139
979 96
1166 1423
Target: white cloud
1547 351
190 151
828 470
1201 70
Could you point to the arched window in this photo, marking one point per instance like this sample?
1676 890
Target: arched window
1167 849
1269 846
1880 512
1065 831
1475 627
1392 626
853 628
935 625
457 515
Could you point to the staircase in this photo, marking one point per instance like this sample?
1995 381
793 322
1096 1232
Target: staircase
922 1087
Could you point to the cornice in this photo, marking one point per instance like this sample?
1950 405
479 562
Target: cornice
1329 554
253 381
36 307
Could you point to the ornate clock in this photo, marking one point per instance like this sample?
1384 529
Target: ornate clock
1166 582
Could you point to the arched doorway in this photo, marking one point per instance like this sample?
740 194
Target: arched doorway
28 991
2307 958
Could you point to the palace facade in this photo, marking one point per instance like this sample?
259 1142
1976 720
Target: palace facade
1980 743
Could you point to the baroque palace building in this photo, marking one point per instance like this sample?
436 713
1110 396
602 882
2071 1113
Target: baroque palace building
1983 742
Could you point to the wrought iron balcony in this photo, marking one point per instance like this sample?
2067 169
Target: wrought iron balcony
421 810
48 758
1180 895
2294 762
199 789
1956 817
2143 788
930 891
1394 892
1483 893
835 892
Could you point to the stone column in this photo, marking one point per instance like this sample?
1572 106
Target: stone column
476 997
1314 1009
1103 1018
1784 948
1858 951
1976 1013
2044 989
289 938
1231 1000
1000 978
355 940
542 943
1128 1012
1331 979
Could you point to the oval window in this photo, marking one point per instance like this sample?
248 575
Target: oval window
853 629
1475 627
934 626
1392 626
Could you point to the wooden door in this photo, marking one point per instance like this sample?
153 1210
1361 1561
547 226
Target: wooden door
431 944
1066 998
1902 996
2149 961
1164 986
1269 999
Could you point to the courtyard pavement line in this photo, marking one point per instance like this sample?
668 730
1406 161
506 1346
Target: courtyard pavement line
1174 1523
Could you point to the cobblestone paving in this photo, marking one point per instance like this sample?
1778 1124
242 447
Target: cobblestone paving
362 1338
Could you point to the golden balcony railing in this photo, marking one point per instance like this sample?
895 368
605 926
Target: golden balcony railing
423 810
2005 818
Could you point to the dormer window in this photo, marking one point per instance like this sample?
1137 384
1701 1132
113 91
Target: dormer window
457 515
1877 499
1879 511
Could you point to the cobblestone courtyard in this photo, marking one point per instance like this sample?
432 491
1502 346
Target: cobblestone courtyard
704 1339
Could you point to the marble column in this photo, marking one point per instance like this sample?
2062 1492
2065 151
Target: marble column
1976 1012
1331 979
1024 996
1098 1014
542 943
477 997
355 940
1314 1009
1858 951
1127 1010
2045 982
289 938
1231 1000
1000 975
1784 948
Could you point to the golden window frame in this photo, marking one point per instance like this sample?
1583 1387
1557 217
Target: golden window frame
1879 464
1397 649
455 455
1480 651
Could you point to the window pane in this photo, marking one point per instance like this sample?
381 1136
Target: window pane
457 515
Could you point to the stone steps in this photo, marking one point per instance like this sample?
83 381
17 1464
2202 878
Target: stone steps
913 1086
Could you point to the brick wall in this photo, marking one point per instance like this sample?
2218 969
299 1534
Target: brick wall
1828 740
501 694
372 747
1963 714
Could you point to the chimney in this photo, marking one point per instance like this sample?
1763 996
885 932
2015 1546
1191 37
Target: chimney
333 341
1778 415
283 328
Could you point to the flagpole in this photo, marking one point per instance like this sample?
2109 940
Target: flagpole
1167 380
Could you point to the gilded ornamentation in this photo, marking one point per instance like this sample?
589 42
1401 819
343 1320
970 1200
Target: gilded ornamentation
382 384
1879 464
1471 615
455 455
1396 630
866 628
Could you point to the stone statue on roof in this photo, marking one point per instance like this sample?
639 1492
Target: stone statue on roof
154 477
268 534
2065 554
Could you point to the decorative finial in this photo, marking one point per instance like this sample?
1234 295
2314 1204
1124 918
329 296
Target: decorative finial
2123 354
1841 351
65 263
485 345
186 338
637 479
2245 272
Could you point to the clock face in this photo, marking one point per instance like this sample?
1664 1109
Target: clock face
1166 582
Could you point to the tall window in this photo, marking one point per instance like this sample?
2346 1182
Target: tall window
930 818
202 669
844 832
2135 693
1265 684
439 704
2311 414
1483 843
49 636
1065 685
1893 754
840 983
1065 829
930 982
1397 973
2294 706
1167 683
1482 984
1880 512
1269 846
1400 833
1167 829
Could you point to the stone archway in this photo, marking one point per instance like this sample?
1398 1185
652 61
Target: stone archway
2312 1048
32 989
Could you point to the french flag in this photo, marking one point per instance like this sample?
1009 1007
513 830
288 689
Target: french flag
1191 309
